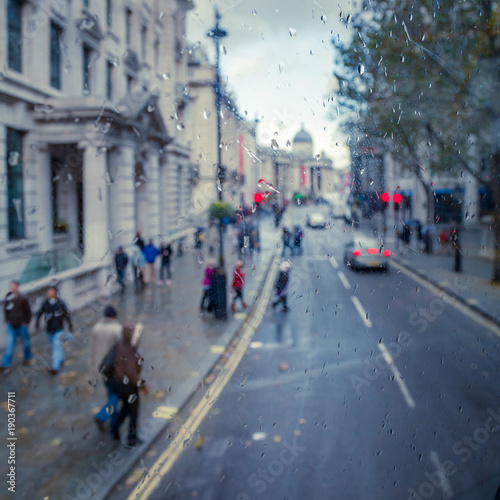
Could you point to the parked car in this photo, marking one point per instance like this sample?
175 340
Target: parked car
316 220
362 252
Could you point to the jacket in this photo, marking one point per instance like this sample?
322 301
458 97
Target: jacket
281 285
150 252
128 362
121 261
165 253
238 278
17 310
207 277
105 334
54 312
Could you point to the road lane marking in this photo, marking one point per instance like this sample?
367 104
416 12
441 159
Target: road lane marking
361 311
450 299
334 262
444 484
168 458
166 412
217 349
342 277
397 375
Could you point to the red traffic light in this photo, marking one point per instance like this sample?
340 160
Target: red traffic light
396 197
257 197
385 197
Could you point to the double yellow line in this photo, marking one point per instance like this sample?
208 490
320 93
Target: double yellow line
168 458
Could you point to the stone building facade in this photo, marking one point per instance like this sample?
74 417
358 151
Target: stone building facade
93 136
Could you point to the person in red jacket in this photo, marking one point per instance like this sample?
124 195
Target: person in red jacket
238 284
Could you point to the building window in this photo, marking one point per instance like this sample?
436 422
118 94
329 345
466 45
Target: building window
14 8
109 81
109 14
55 55
128 25
15 191
157 55
144 39
87 54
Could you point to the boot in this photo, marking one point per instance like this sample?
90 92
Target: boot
244 305
233 309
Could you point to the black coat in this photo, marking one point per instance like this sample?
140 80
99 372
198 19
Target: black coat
54 314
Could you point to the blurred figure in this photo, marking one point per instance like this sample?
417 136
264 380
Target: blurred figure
297 240
150 254
206 282
17 318
138 264
165 254
126 382
121 261
281 286
105 334
55 313
287 241
237 285
444 242
138 241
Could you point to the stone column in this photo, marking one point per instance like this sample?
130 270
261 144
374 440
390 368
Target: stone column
470 205
95 203
153 186
122 202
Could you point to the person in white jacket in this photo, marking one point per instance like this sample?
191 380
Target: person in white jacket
105 334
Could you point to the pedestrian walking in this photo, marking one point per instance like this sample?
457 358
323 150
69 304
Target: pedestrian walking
205 283
287 241
138 241
55 312
125 381
237 285
104 335
17 312
138 265
150 254
297 240
281 286
165 254
121 261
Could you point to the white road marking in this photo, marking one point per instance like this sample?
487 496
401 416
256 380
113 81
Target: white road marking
334 262
444 483
361 311
449 299
342 278
397 375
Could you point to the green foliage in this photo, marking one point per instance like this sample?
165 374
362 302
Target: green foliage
220 209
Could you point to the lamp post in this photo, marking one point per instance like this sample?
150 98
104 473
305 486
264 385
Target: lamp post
216 34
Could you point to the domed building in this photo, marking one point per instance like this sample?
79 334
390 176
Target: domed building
300 174
303 143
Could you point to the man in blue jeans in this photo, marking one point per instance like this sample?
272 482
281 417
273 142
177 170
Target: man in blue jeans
55 312
17 317
105 334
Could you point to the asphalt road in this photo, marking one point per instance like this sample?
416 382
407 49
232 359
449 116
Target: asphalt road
372 386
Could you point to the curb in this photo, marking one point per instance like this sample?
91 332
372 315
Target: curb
478 310
188 388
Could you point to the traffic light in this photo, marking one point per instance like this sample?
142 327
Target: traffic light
257 198
396 198
385 200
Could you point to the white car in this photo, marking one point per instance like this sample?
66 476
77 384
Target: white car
316 220
365 253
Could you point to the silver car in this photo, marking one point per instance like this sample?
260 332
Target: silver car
366 253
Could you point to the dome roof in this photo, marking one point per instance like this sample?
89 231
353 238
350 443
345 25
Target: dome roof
302 136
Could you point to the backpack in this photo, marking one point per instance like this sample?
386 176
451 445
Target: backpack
107 368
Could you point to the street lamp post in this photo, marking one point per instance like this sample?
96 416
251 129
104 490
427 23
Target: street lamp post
216 34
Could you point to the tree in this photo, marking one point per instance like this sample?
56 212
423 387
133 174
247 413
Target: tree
425 76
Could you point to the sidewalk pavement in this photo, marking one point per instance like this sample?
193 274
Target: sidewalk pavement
472 286
60 454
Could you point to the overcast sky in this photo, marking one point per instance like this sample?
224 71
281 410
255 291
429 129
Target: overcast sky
278 63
